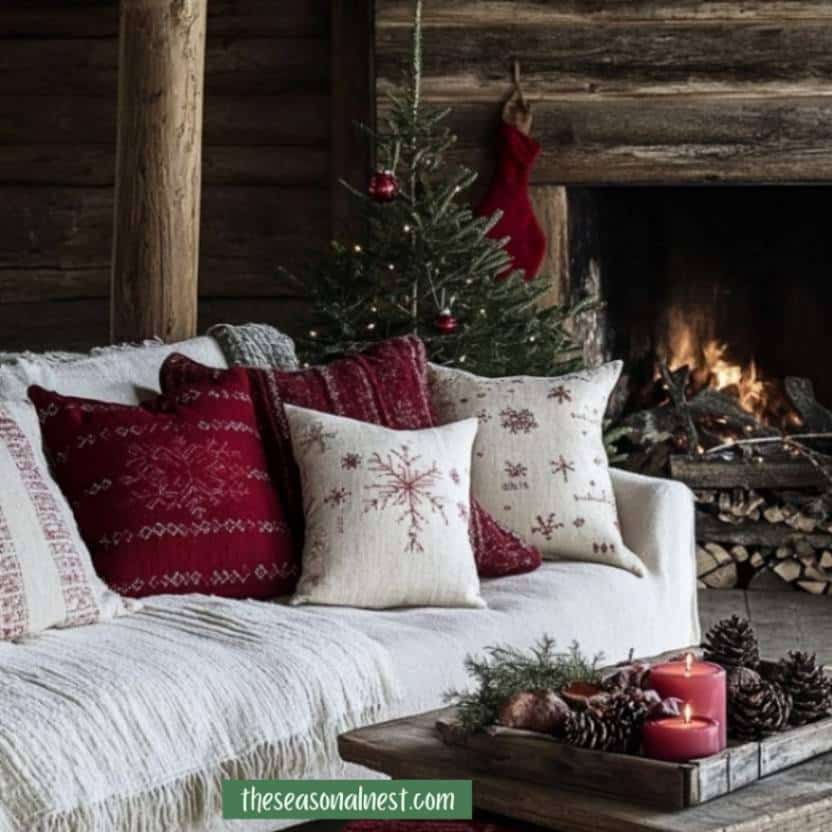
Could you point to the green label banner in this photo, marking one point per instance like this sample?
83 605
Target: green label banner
347 799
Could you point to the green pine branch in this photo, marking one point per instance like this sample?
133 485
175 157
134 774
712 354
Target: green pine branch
504 671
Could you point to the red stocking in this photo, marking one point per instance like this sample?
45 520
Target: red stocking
509 193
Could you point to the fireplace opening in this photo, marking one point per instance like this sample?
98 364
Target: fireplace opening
731 282
718 300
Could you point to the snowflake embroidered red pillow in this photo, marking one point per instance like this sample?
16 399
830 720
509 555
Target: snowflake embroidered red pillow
540 464
386 513
385 385
173 496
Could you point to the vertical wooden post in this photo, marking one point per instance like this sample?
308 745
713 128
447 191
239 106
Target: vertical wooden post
158 169
551 207
569 218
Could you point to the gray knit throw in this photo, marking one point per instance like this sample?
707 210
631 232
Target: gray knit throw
255 345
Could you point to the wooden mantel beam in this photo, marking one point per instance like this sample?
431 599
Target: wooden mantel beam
158 167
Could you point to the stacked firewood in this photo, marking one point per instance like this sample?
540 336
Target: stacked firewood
746 533
763 490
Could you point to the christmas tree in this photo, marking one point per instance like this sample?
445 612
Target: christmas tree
426 264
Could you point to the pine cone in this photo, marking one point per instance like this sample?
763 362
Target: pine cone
757 709
625 714
614 724
588 729
808 685
733 643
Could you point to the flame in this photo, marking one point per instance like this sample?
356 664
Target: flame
687 712
693 343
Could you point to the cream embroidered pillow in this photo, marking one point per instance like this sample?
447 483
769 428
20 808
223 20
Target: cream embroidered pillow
46 575
540 466
386 513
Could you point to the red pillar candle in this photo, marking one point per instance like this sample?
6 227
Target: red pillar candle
680 738
701 684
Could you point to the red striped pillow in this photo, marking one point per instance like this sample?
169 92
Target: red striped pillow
385 385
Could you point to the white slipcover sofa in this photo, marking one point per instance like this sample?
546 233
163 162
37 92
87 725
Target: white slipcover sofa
134 723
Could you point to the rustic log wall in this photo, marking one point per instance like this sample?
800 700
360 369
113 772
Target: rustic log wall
266 172
634 91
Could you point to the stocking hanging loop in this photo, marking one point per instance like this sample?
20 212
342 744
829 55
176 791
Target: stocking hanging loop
517 111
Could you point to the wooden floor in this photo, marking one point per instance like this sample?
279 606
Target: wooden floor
784 621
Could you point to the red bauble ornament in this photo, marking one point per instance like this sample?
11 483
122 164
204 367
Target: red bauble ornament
383 186
446 322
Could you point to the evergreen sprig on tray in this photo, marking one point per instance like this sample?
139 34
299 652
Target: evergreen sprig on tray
504 671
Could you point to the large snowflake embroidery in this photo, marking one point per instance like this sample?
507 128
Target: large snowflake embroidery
402 483
181 474
315 436
547 526
518 421
561 393
562 466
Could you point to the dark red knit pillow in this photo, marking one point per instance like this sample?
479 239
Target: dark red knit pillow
384 385
173 496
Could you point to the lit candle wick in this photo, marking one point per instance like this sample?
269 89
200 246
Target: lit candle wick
688 663
687 712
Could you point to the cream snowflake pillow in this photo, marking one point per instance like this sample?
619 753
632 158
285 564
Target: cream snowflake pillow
540 466
386 513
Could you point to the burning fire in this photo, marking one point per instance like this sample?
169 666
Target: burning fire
710 366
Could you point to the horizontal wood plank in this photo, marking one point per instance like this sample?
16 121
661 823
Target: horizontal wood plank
89 66
99 18
94 165
83 324
760 533
67 325
296 118
717 473
506 12
244 229
20 286
663 139
216 280
539 758
472 62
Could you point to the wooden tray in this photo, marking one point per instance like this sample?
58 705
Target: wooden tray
539 758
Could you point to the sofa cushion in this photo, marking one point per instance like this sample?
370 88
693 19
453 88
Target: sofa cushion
173 495
387 513
125 374
46 575
540 465
384 385
194 689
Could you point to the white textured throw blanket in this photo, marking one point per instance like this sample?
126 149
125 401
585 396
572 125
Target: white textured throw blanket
209 688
